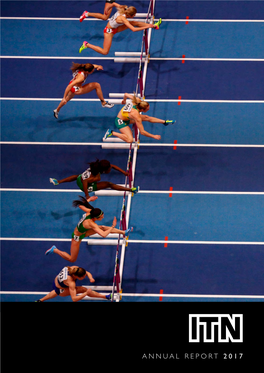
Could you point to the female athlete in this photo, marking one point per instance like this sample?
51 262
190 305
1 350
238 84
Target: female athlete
64 285
130 114
89 180
117 23
87 227
75 87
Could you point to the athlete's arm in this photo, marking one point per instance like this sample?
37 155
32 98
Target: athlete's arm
101 232
98 67
137 118
90 180
72 290
126 173
147 118
131 27
89 275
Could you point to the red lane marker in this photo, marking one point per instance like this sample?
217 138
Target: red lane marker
179 98
175 147
183 56
187 21
171 188
161 292
166 243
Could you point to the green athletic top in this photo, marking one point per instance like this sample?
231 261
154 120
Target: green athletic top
80 226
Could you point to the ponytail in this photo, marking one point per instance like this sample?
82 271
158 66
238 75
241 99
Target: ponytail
95 213
138 103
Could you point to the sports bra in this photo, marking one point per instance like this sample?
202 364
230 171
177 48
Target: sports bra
84 73
80 226
112 20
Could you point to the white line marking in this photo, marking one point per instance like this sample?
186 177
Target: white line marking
163 20
206 59
193 296
151 58
140 241
141 191
146 294
141 144
148 99
58 58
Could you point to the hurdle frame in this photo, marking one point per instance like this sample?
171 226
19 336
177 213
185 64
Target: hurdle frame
121 242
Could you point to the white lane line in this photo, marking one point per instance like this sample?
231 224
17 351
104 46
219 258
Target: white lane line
178 242
148 294
151 58
164 20
140 192
141 144
148 99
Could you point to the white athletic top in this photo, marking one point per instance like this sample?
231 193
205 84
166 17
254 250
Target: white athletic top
86 174
112 20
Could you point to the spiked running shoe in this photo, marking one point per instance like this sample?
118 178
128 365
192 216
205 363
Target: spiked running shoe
84 15
127 231
135 190
107 105
84 46
107 134
167 122
50 251
157 25
53 181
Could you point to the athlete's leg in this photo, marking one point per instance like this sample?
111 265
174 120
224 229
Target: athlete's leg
106 184
125 135
106 46
68 179
75 247
64 101
90 87
51 295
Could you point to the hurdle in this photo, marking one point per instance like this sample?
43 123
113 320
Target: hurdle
129 57
121 243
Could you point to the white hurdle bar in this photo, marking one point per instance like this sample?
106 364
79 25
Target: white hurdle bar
129 54
104 242
118 146
129 60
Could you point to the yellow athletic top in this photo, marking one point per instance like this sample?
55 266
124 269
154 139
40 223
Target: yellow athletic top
127 109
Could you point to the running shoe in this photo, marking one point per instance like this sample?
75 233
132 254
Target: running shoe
50 251
167 122
84 15
55 113
107 134
84 46
109 106
157 25
54 181
135 190
39 300
109 296
127 231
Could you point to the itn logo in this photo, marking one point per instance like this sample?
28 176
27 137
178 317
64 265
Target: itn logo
215 328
